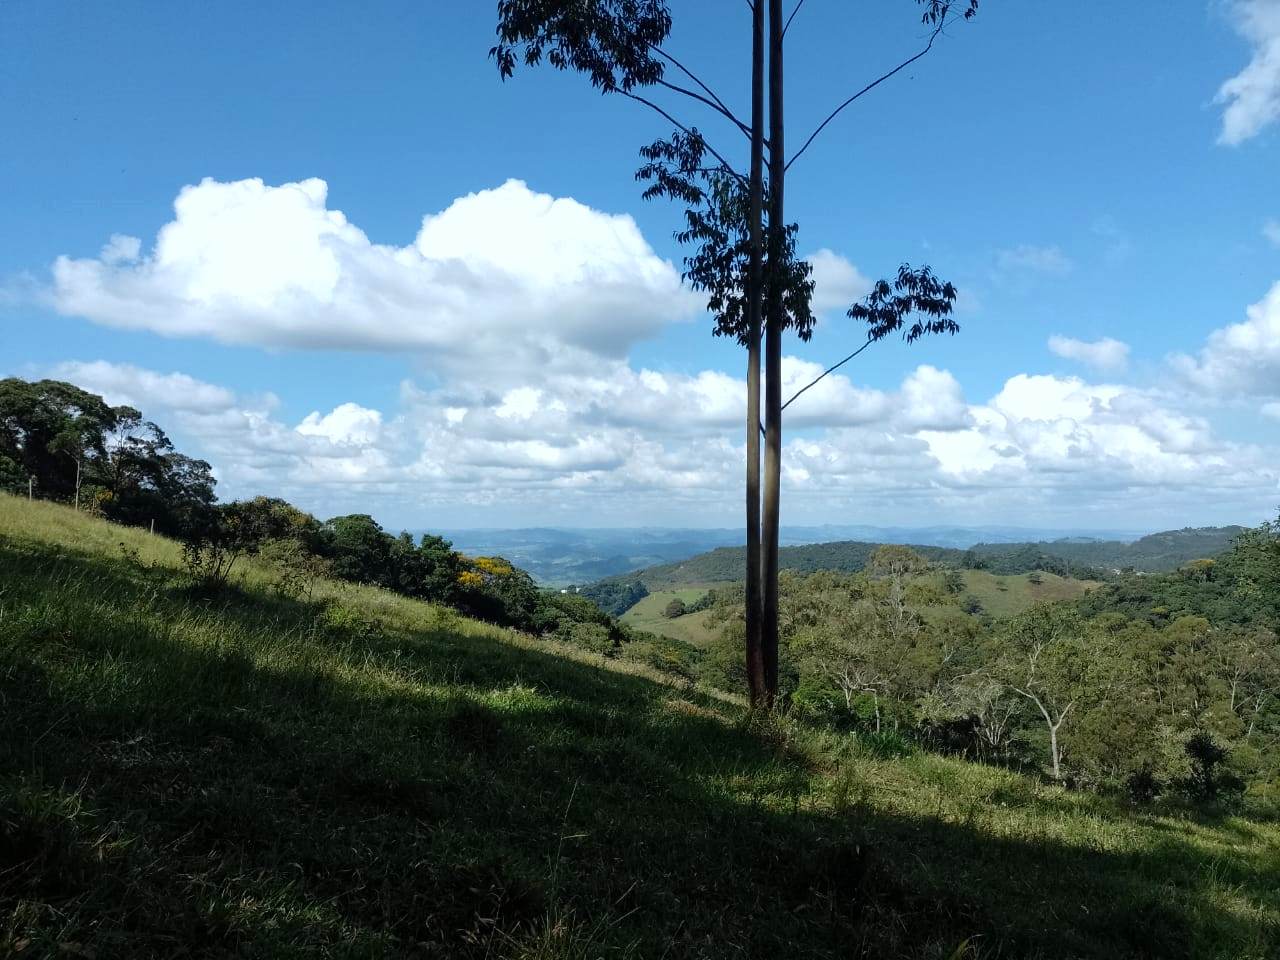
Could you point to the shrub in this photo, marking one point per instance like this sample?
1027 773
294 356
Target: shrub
1208 780
297 570
668 655
349 623
590 636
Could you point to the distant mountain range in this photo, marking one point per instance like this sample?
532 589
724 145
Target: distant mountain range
563 556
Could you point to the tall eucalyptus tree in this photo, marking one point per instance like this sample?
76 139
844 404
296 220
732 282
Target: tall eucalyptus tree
743 249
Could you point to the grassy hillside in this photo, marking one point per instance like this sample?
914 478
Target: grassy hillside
693 628
364 775
1009 596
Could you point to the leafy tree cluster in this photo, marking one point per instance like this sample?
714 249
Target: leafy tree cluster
1105 692
1013 559
615 596
59 442
1239 587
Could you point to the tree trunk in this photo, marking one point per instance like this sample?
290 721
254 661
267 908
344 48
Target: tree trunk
1053 750
774 321
755 311
77 486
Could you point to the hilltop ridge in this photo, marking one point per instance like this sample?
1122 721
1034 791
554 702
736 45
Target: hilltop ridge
1077 558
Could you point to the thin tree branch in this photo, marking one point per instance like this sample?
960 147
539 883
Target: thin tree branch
869 87
813 383
693 94
715 101
710 149
829 370
787 26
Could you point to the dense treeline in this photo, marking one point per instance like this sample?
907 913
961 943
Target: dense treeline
614 596
59 442
356 548
729 564
1158 684
1012 559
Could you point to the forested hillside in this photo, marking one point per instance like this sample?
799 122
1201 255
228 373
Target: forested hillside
1156 553
1153 685
1076 559
729 563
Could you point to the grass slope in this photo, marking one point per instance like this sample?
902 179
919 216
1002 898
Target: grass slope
692 628
368 776
1009 596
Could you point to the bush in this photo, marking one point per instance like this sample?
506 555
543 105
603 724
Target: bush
667 655
675 608
491 589
297 570
1208 781
1142 786
349 623
590 636
613 597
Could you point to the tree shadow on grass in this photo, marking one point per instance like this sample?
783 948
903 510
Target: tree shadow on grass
156 794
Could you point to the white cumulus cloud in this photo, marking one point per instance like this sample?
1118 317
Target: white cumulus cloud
639 444
503 276
837 283
1252 97
348 423
1242 359
1107 355
128 385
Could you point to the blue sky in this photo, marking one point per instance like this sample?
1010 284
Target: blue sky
1084 172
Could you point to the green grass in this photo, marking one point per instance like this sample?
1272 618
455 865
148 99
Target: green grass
1008 596
692 628
367 776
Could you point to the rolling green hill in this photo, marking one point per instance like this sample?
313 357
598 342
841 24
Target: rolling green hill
1069 559
692 628
359 775
1008 596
